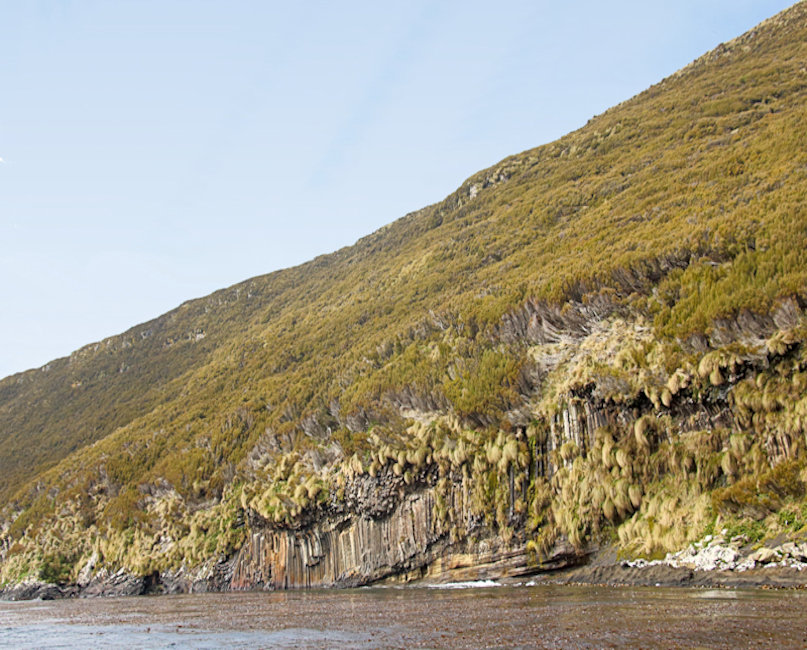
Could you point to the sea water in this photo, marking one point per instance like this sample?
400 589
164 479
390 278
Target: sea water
459 615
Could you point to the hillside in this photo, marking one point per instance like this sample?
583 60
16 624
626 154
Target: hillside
602 338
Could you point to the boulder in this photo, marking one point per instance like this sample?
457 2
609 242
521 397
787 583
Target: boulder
764 555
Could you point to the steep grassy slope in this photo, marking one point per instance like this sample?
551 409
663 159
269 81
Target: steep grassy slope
650 267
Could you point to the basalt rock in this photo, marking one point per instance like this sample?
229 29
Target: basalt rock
407 543
37 590
121 583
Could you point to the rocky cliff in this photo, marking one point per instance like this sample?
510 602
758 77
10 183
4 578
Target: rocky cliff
415 539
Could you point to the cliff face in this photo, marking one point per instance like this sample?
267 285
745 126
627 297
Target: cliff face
646 450
385 529
389 530
406 544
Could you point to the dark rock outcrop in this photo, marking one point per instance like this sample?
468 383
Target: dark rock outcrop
36 590
407 543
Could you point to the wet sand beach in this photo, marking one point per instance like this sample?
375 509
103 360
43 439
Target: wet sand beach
453 616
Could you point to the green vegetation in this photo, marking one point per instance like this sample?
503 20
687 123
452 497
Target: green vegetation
603 336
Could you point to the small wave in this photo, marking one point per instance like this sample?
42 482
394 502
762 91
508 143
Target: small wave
470 584
716 594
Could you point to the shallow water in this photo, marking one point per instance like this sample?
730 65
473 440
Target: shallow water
467 616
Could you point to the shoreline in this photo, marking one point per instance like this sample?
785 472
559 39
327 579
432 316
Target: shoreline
713 562
617 575
660 575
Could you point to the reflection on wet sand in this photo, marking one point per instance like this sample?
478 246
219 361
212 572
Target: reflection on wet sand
463 617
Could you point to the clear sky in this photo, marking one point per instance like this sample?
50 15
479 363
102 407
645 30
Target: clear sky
157 150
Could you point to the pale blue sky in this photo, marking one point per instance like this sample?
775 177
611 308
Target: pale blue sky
155 151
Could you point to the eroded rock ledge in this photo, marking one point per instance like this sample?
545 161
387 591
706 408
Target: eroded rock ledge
403 542
408 543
